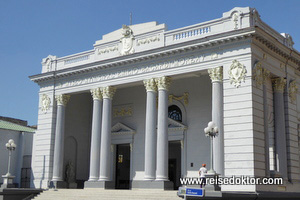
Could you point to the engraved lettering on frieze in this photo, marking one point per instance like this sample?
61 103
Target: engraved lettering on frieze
122 111
237 73
138 70
45 103
148 40
126 41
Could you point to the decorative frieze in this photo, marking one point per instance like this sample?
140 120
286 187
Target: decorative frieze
216 74
45 103
62 99
148 40
107 50
134 71
126 41
96 93
184 97
237 73
163 83
108 92
150 85
279 84
293 90
122 111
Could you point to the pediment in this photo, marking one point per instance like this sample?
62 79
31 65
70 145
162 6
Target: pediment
174 125
121 129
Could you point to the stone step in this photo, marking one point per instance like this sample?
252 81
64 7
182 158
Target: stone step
95 194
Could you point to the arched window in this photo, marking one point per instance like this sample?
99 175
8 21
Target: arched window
175 113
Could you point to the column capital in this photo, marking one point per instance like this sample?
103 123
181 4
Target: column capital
163 83
266 75
279 84
96 93
216 74
150 85
62 99
108 92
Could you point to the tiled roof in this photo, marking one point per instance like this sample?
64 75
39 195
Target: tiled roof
11 126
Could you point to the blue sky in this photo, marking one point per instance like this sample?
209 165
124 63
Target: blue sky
32 29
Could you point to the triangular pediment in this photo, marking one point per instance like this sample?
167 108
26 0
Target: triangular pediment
174 125
121 129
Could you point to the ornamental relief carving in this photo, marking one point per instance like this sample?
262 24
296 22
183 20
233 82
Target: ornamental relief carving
150 85
237 73
45 103
148 40
163 83
47 62
108 92
62 99
279 84
184 97
293 90
96 93
216 74
122 111
107 50
258 74
126 41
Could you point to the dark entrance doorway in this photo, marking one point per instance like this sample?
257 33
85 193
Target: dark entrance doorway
122 166
175 163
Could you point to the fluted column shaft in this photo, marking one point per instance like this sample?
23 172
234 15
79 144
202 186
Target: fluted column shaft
96 135
163 84
216 75
280 134
150 130
105 155
59 137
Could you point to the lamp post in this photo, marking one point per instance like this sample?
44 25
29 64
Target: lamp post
211 131
10 146
8 178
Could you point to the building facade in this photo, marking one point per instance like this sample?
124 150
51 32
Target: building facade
130 113
22 135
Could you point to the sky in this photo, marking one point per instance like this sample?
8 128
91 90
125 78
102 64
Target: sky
30 30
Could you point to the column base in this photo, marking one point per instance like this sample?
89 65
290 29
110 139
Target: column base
99 184
143 184
59 184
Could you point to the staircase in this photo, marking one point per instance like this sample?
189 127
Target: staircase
95 194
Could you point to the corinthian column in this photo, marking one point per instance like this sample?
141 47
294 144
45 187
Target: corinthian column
279 118
107 93
150 130
96 135
163 84
216 76
62 101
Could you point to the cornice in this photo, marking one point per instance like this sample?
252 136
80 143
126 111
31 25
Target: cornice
277 47
166 51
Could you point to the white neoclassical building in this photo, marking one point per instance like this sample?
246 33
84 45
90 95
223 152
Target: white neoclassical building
130 113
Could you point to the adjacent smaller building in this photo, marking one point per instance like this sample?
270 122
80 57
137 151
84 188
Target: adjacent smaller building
22 134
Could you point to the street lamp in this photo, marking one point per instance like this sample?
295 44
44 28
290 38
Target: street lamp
211 131
8 178
10 146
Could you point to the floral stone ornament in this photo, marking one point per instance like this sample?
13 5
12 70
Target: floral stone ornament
237 73
45 103
293 90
